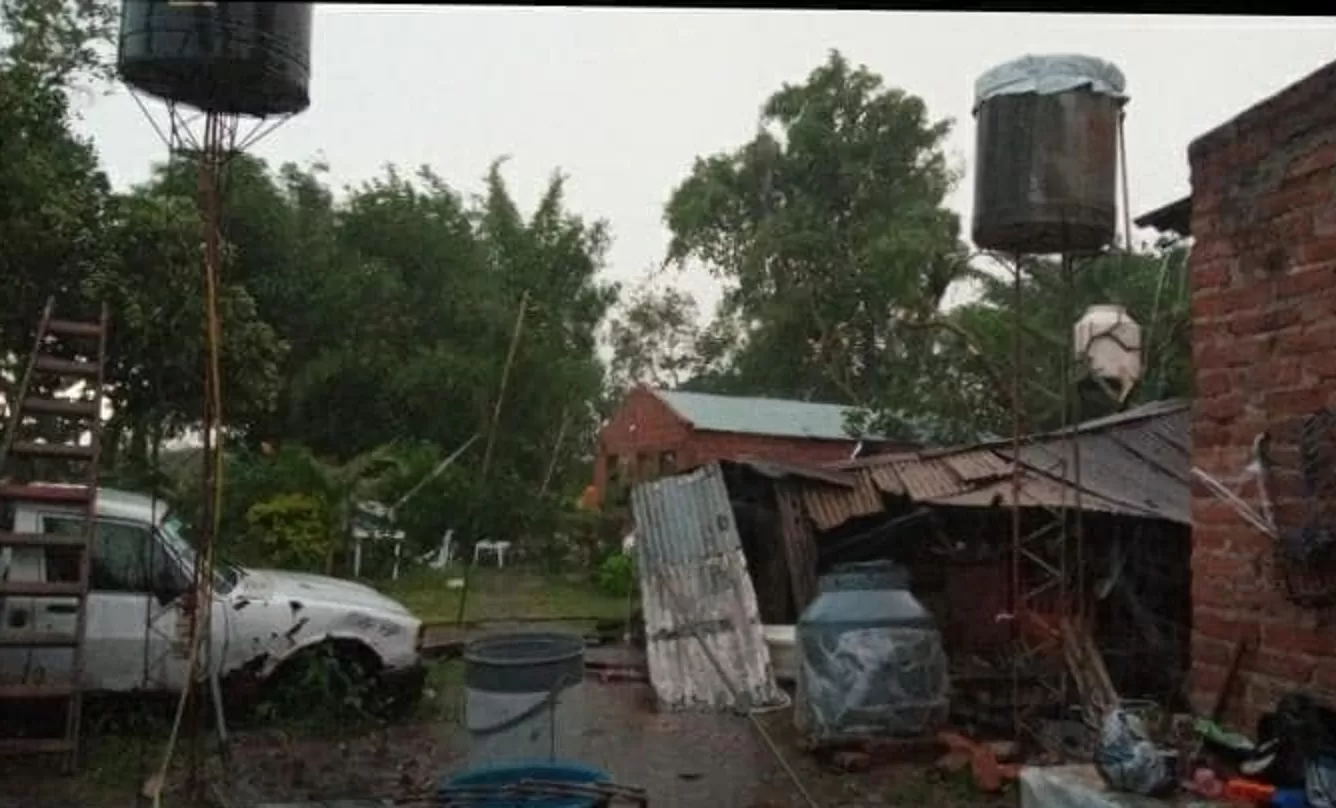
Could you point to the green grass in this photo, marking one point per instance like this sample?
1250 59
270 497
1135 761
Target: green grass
509 594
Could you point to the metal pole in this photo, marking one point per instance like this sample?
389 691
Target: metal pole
1017 427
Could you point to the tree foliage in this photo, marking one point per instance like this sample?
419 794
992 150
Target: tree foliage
830 234
829 231
357 321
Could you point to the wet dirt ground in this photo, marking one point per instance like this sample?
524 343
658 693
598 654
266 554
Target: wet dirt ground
681 759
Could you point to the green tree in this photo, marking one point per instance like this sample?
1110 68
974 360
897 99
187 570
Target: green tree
829 231
653 337
58 42
155 354
978 348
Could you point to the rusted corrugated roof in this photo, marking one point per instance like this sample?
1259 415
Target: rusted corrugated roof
694 582
829 506
1134 463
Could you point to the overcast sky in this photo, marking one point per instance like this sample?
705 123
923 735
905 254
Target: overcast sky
623 100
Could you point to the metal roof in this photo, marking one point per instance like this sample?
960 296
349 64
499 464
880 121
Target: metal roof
1134 463
762 416
1175 217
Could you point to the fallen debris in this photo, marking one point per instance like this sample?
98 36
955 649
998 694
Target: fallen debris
987 772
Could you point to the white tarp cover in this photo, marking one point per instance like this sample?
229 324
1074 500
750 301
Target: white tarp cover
1080 786
1049 75
872 681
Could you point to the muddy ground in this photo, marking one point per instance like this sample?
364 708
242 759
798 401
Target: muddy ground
690 759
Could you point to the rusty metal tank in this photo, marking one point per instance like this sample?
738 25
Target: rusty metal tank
244 58
1046 163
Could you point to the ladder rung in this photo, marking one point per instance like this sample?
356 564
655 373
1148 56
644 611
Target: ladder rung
41 540
61 690
56 406
36 746
73 328
63 451
51 494
38 639
65 367
62 588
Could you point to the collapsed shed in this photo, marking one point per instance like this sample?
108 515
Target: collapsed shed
946 515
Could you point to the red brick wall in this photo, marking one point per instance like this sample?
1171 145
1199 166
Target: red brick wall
1263 280
707 446
642 424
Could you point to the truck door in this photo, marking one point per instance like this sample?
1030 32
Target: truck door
131 637
27 614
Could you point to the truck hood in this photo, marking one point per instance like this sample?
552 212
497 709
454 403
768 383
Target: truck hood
304 587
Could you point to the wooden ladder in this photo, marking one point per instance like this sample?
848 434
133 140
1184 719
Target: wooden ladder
65 352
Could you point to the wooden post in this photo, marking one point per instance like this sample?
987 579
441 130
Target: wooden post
491 441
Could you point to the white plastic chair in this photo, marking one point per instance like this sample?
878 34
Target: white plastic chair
496 548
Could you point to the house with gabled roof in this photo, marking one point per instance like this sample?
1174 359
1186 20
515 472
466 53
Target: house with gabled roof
658 432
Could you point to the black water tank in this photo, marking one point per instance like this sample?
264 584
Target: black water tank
242 58
1046 164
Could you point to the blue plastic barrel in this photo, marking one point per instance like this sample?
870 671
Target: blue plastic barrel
513 773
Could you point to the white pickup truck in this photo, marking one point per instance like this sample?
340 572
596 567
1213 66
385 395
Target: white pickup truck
136 620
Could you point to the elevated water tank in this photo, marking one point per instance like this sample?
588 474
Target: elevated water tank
871 662
232 57
1046 162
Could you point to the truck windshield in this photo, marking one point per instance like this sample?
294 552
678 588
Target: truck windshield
174 533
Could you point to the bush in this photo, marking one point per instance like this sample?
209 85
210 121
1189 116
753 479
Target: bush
616 576
289 530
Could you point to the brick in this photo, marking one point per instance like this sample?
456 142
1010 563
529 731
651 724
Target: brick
1278 373
1210 651
1291 197
1322 365
1306 281
1324 674
1212 274
1315 338
1221 406
1317 250
1294 639
1215 626
1214 382
1208 678
1281 403
1296 668
1324 221
1320 159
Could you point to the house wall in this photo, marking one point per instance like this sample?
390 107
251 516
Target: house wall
1263 285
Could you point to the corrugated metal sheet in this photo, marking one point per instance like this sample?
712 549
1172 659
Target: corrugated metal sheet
926 480
1136 467
779 470
694 581
829 506
1134 463
761 416
979 465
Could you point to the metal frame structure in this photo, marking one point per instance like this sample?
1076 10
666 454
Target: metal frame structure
1046 596
211 139
1047 568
